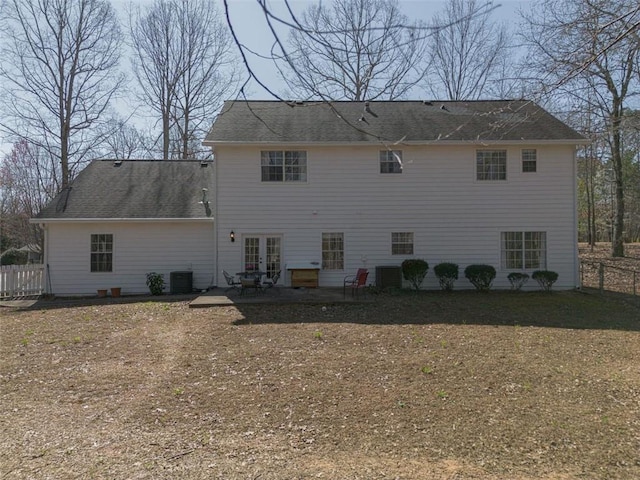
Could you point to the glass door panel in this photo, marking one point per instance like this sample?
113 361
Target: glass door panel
251 254
263 253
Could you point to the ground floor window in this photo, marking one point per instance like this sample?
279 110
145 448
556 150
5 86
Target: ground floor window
524 250
102 252
402 243
333 251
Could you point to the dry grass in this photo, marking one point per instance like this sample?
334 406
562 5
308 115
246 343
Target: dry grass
438 386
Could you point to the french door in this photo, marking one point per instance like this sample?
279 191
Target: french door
263 253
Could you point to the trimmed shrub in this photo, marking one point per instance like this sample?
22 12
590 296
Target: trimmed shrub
155 282
481 276
414 271
447 274
517 280
545 278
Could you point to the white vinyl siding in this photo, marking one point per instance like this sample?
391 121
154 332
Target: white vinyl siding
453 217
138 248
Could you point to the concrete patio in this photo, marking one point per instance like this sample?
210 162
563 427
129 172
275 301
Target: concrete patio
220 297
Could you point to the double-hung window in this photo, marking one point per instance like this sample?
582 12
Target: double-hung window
390 161
529 160
402 243
283 165
491 165
332 251
524 250
102 252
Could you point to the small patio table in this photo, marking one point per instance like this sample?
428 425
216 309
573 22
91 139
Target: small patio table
251 280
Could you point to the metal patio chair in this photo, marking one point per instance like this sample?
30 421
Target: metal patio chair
355 282
232 282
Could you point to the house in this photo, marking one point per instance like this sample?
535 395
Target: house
317 190
333 187
119 220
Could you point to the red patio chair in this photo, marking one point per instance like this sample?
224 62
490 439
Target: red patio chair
355 282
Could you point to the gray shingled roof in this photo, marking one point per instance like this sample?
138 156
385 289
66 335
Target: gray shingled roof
408 121
135 189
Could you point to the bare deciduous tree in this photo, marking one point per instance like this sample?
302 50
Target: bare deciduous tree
589 49
354 50
28 180
125 142
468 56
59 74
185 67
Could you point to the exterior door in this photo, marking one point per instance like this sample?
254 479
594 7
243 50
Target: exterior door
264 253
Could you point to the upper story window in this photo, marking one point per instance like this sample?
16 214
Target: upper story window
402 243
283 165
102 252
491 165
529 159
390 161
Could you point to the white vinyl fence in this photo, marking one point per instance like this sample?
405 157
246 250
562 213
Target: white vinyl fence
21 280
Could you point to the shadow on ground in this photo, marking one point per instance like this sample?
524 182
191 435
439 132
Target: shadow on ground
571 310
585 309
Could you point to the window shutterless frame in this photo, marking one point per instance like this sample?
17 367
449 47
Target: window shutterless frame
491 165
101 256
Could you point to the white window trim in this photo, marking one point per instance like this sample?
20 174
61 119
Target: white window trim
284 181
523 231
522 160
475 165
413 242
322 251
400 163
113 253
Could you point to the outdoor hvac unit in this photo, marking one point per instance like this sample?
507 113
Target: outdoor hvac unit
389 276
181 282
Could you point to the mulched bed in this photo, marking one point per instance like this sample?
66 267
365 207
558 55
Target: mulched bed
411 386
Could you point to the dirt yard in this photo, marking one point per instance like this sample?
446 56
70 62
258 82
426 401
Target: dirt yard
428 386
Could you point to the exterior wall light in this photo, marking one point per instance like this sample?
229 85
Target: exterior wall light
232 236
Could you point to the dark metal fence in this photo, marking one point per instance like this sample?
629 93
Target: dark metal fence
609 277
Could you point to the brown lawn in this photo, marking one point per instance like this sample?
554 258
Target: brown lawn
429 386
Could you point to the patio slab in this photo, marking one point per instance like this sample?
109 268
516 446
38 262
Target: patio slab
218 297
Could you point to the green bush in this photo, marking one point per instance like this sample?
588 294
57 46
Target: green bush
155 282
545 278
447 274
414 271
481 276
517 280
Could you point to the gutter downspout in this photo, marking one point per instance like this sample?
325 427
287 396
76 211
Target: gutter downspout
576 256
45 259
216 216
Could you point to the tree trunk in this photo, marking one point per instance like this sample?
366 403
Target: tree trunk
617 242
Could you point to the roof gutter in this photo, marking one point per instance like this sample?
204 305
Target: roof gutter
114 220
